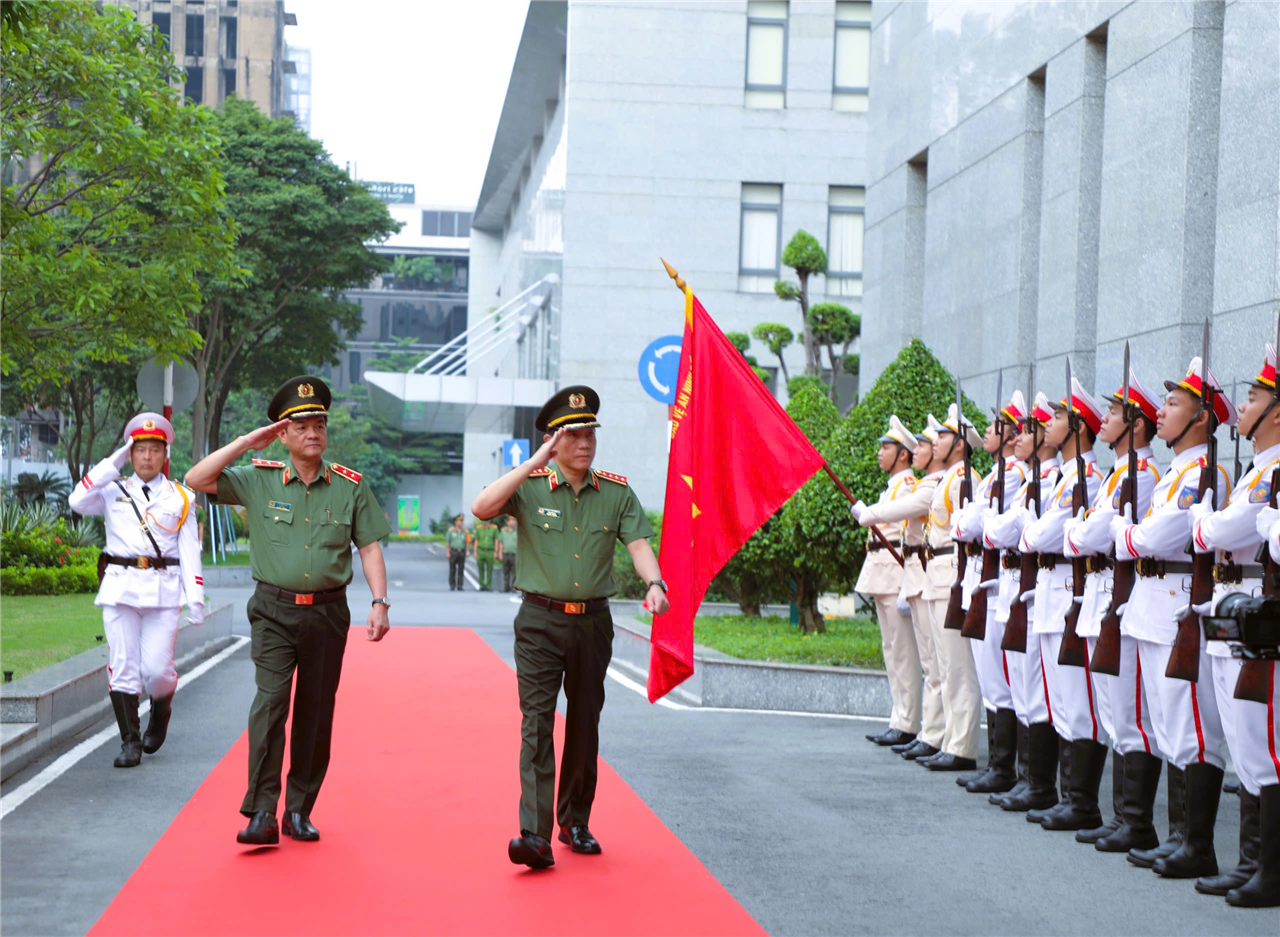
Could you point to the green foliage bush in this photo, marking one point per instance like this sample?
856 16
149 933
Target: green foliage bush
45 548
805 380
57 581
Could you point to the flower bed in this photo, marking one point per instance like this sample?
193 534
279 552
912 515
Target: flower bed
39 560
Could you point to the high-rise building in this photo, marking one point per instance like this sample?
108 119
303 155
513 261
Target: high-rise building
227 47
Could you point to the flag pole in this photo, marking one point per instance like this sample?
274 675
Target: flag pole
682 286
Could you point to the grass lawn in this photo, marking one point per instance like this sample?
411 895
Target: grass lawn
39 630
847 642
233 559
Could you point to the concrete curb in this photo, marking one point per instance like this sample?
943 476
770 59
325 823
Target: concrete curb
726 682
222 577
42 709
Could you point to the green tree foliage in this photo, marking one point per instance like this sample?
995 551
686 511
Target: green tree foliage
777 337
742 341
303 226
805 380
421 273
110 205
832 325
805 256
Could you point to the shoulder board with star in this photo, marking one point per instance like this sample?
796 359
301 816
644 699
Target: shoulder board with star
540 472
613 477
267 463
349 474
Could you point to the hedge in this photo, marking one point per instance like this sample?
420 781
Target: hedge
55 581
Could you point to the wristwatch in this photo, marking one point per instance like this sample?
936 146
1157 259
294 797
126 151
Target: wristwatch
660 583
382 601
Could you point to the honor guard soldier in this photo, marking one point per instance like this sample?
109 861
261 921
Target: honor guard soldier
304 515
507 538
569 515
456 540
988 658
1037 741
152 566
961 698
1185 712
1251 726
1121 704
881 579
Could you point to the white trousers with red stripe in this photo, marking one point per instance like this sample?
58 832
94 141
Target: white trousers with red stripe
1122 703
1252 729
988 659
140 642
1030 699
1072 698
1186 712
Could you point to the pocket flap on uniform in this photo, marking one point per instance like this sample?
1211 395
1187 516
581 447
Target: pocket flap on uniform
547 519
277 516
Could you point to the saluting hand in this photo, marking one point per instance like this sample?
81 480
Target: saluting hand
264 436
547 451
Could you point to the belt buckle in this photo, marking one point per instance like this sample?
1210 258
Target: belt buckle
575 608
303 598
142 562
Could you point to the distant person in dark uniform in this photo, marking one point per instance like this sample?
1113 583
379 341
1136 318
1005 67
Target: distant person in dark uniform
568 517
456 540
303 515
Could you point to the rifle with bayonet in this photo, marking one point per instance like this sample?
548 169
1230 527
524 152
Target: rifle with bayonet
1015 629
1075 650
975 621
1106 653
1184 661
955 604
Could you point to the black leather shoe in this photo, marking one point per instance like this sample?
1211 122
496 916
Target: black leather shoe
903 746
531 850
298 826
894 737
261 831
949 762
919 749
580 840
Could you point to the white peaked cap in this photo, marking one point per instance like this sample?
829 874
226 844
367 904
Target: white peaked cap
899 434
952 425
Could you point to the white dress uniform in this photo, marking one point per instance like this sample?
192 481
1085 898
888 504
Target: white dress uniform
1121 703
140 606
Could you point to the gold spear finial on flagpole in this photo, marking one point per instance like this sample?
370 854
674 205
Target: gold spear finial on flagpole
671 272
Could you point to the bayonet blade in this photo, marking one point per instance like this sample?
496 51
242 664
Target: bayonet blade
1124 394
999 391
1204 363
959 411
1071 408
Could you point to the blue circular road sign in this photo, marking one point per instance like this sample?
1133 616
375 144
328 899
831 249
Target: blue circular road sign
660 368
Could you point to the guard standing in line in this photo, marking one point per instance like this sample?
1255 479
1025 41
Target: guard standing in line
568 517
456 540
507 538
304 515
153 565
486 553
1185 712
881 579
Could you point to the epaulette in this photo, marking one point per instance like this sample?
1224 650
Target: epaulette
267 463
541 471
613 477
345 472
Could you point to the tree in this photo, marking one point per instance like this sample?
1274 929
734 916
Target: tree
831 324
302 229
109 209
776 337
805 256
742 341
421 273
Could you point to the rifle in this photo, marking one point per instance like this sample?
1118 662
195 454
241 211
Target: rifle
1254 682
1184 661
1075 650
1106 653
975 622
1015 629
955 604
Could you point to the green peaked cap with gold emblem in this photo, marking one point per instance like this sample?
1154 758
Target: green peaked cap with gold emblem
300 397
570 408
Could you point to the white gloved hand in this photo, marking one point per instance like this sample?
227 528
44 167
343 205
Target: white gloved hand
1121 521
904 607
857 509
1265 519
121 455
195 613
1201 509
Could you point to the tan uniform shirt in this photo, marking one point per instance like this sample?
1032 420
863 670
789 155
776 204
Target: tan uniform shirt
881 574
946 501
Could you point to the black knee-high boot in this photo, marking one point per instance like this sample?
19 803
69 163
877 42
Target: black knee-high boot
126 710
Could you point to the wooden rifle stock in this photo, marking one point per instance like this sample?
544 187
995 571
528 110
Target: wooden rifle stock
1075 650
1184 661
1015 629
975 622
1254 682
955 604
1106 653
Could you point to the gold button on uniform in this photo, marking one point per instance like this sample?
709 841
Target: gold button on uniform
546 526
576 557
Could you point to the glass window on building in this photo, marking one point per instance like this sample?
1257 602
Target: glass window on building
228 82
194 88
160 23
431 223
845 219
448 222
761 234
766 53
195 34
230 37
354 373
464 224
853 56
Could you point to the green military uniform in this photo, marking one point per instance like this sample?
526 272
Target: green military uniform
302 536
565 544
508 540
486 540
456 539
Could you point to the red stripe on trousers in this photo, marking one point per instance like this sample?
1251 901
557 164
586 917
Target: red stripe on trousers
1088 684
1004 662
1044 681
1195 708
1271 720
1137 700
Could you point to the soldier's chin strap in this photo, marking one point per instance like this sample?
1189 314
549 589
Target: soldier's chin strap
1190 423
1261 416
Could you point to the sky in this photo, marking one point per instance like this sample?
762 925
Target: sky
410 90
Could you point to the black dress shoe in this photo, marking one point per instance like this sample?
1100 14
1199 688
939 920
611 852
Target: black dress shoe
949 762
919 749
580 840
893 737
903 746
298 825
261 831
531 850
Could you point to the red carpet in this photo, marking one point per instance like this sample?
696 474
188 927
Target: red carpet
415 815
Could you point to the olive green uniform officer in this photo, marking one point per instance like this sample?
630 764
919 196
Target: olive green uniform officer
568 517
486 540
456 540
302 534
507 541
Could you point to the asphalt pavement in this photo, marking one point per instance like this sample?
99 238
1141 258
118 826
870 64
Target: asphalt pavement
814 830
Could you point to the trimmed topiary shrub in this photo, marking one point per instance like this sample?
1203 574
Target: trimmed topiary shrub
48 581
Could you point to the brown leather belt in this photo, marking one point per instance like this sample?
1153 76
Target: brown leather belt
1234 572
913 550
1151 568
930 552
972 549
587 607
1011 559
1097 563
303 598
141 562
1049 560
874 544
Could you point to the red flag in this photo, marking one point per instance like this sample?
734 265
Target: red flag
736 457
